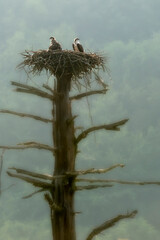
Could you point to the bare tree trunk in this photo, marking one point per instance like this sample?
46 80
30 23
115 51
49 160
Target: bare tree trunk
62 217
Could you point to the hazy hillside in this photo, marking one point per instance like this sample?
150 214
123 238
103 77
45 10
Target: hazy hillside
128 33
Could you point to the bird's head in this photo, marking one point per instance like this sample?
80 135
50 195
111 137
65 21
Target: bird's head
76 39
51 38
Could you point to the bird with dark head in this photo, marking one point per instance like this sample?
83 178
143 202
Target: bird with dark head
54 45
77 47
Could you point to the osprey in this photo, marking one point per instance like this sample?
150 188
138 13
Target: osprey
54 45
77 47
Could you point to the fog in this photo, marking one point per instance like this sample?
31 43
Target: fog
128 33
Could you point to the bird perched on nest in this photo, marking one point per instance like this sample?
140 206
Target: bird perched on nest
54 45
77 47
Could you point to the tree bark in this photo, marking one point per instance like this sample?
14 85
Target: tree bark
63 221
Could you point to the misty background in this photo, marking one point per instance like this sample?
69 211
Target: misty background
128 33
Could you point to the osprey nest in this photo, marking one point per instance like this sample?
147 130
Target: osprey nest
63 63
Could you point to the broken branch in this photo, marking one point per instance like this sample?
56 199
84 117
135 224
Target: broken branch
112 126
109 223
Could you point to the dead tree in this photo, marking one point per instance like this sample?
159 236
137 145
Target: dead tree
69 68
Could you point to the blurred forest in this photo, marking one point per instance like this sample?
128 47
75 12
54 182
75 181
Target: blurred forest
128 33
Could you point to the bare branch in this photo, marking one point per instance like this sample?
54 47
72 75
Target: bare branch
26 86
79 96
33 174
52 178
22 85
26 115
76 173
109 223
34 182
112 126
29 145
92 170
90 187
110 168
31 90
35 92
80 172
116 181
35 192
38 175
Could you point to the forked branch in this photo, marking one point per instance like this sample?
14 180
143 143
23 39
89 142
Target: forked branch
26 115
109 223
112 126
86 94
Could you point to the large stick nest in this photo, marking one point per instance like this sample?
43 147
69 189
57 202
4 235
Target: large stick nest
60 63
